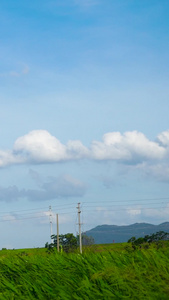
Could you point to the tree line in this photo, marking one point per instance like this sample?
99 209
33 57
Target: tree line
68 242
148 239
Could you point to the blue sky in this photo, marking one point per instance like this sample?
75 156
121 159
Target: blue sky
84 115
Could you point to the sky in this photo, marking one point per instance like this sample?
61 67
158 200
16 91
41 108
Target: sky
84 115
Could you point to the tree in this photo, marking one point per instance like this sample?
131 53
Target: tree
155 237
67 241
132 239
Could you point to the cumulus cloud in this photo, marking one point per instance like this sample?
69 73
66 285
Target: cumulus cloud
133 147
8 158
76 150
163 138
40 146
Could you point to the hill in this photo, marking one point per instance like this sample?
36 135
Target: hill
105 234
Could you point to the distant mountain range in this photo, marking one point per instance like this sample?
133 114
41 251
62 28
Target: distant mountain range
105 234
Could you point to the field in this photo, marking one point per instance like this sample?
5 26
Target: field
113 271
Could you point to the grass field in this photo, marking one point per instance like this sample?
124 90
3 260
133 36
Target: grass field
114 271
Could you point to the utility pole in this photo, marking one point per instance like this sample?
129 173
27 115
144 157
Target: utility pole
50 218
80 236
57 224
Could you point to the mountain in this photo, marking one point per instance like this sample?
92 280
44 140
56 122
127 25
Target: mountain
105 234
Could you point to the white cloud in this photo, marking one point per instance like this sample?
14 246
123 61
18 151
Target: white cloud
128 147
40 146
163 138
131 148
8 158
76 150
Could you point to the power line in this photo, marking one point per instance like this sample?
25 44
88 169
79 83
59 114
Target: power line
65 206
39 212
34 209
127 204
20 219
128 200
36 217
65 210
95 210
131 208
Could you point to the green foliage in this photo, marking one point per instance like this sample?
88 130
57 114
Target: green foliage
148 239
67 241
132 239
101 273
156 237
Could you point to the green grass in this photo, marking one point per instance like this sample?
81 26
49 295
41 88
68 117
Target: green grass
102 272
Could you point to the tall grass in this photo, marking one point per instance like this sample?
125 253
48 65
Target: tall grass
107 274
